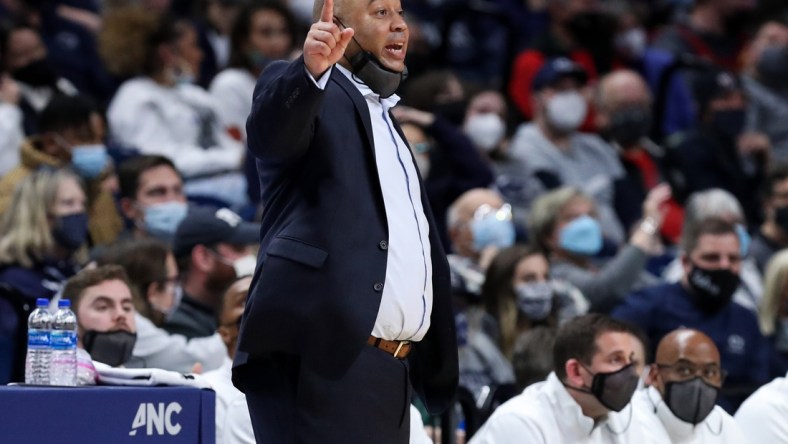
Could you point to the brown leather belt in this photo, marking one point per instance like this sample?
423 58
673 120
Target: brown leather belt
398 349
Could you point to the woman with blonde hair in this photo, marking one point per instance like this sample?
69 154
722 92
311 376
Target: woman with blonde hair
42 243
773 312
564 224
43 233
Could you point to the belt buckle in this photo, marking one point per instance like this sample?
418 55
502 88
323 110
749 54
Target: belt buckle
399 347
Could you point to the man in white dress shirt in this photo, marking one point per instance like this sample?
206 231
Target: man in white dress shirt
764 415
585 400
679 406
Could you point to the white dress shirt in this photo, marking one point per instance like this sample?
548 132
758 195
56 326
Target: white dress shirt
546 413
406 303
233 423
763 417
655 418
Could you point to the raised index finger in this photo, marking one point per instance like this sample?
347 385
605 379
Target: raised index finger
327 14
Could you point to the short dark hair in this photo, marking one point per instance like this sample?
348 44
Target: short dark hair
777 173
145 263
77 284
130 171
710 225
66 112
577 339
532 360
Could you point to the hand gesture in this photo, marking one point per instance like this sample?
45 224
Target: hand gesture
406 114
325 44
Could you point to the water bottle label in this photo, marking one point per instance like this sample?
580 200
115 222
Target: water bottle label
64 340
37 338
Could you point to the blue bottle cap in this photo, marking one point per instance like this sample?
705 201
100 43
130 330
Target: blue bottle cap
42 302
63 303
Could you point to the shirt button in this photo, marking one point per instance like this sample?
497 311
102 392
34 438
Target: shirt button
383 245
378 286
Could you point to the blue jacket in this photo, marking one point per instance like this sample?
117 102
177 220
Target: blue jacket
734 329
324 236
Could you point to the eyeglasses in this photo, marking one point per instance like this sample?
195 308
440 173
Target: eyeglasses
683 370
484 211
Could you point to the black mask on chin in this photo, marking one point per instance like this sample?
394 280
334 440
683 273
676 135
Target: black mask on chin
368 69
109 347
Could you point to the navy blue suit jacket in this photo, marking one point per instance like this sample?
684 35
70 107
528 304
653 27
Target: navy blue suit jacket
324 240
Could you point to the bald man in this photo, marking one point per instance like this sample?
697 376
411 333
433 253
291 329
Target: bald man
680 402
624 118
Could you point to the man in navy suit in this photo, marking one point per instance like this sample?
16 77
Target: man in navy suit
349 309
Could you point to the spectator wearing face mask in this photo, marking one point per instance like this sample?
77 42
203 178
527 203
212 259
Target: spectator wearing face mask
71 136
102 300
151 197
585 399
159 110
772 236
447 161
702 300
519 294
556 153
683 385
42 243
579 31
624 119
564 225
718 153
480 224
212 248
156 289
26 58
765 79
720 204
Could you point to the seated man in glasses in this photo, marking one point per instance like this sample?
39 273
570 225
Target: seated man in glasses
685 380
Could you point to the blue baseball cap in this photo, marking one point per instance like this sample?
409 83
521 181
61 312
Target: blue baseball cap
557 69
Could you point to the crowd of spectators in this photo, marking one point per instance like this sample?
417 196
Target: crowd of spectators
623 157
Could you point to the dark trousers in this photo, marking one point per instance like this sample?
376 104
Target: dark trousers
370 404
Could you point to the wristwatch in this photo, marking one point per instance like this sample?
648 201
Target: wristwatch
649 226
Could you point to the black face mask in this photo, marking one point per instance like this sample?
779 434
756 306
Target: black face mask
772 67
37 73
729 122
110 347
781 218
712 289
613 389
628 126
71 231
692 400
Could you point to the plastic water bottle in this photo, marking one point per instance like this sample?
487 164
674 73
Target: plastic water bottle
64 345
37 362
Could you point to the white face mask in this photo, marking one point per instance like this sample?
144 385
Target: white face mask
245 266
485 130
566 111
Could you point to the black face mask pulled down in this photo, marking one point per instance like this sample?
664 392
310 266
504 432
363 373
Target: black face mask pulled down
368 69
712 289
110 347
692 400
613 389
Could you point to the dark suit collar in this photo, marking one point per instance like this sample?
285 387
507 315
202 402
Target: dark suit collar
358 102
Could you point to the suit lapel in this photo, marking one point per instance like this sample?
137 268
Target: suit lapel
359 103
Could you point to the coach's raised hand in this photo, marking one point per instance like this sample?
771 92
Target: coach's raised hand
325 44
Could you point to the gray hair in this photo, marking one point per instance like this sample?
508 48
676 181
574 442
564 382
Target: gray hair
712 203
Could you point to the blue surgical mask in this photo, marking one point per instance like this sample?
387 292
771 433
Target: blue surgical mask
162 219
71 231
535 299
89 160
744 239
583 235
492 230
